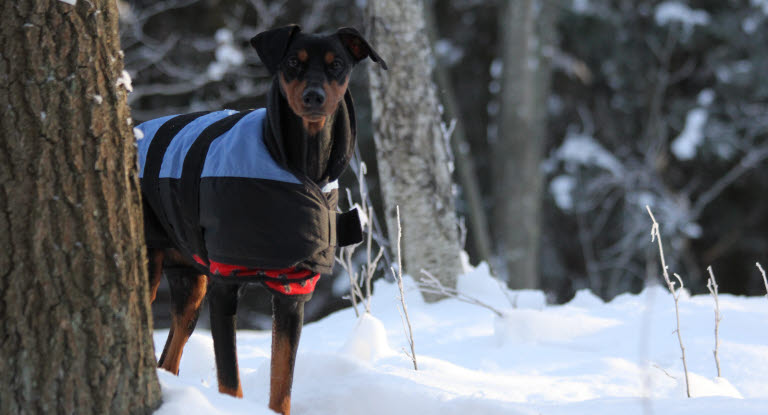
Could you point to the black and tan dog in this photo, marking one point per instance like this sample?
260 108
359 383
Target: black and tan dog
240 197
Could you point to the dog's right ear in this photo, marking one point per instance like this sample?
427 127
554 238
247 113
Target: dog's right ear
272 45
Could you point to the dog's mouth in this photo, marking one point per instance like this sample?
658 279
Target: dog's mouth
313 116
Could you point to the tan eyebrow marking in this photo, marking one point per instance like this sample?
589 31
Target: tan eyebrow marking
329 57
302 54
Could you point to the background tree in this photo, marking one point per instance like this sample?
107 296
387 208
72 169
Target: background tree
411 145
527 45
76 323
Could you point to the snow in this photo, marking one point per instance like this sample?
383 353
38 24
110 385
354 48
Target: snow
561 188
684 145
448 51
586 356
125 81
763 4
581 149
71 2
227 55
581 6
673 11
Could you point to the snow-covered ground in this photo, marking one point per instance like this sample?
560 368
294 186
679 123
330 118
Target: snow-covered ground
585 357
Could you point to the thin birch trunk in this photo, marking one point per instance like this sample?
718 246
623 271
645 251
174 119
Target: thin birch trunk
528 36
413 155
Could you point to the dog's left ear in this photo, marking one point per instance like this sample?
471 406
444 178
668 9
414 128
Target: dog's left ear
357 46
272 45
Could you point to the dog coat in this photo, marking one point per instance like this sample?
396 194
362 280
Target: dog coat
217 187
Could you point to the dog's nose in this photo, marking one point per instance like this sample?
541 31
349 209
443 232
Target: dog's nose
313 97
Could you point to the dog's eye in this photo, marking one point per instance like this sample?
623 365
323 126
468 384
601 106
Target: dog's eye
293 62
336 66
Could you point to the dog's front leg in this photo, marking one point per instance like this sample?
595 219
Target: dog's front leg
287 320
223 299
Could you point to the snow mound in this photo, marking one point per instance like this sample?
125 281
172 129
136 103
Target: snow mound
532 326
368 340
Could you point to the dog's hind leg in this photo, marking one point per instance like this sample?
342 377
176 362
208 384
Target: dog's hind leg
223 298
288 318
155 257
187 292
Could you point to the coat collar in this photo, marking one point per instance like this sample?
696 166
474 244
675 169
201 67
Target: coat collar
344 134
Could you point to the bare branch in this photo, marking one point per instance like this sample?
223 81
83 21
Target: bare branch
432 285
747 163
712 286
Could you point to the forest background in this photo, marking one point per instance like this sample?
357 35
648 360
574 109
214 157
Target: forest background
644 103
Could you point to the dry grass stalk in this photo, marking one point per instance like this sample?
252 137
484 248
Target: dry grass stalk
656 236
404 311
765 280
358 280
712 286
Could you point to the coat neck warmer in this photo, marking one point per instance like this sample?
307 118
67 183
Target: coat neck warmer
343 135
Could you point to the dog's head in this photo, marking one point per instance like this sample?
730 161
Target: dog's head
313 70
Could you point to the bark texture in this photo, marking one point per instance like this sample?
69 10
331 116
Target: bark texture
76 324
413 155
528 36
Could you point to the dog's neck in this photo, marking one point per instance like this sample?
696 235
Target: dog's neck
308 146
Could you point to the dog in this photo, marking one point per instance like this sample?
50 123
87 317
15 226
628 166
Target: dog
232 198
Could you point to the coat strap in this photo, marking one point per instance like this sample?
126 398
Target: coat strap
190 181
150 183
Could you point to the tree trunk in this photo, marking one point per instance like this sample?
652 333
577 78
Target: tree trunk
413 156
76 323
527 38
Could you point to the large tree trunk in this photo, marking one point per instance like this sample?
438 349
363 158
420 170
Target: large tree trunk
527 39
412 154
76 324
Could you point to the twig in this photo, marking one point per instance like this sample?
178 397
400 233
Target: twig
712 286
433 286
399 277
345 260
364 278
656 236
663 370
765 281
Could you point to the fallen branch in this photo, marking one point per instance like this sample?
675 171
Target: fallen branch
656 236
432 285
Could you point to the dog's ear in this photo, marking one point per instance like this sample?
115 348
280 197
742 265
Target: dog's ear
272 45
357 46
